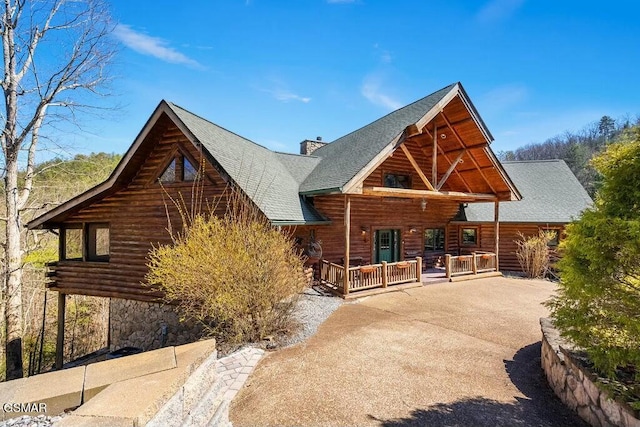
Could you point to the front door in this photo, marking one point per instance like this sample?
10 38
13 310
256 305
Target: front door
386 246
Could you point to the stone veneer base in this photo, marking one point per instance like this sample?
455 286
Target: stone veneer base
575 386
148 325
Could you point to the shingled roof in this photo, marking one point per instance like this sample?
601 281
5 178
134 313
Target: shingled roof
550 194
278 183
271 179
342 159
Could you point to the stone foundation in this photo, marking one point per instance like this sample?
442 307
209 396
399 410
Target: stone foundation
148 325
575 386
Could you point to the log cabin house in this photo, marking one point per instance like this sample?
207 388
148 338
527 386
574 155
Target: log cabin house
551 198
373 208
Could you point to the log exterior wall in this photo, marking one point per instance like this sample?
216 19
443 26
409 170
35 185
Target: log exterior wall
137 218
370 214
508 236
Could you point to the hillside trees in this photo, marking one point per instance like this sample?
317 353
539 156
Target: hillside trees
54 57
575 148
599 297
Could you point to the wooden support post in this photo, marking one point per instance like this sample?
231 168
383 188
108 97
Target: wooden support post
62 299
474 263
419 269
496 229
447 266
434 156
385 277
347 242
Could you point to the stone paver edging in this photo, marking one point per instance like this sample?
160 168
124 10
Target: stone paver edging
575 386
234 370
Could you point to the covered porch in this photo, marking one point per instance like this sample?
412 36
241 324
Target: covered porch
386 277
415 185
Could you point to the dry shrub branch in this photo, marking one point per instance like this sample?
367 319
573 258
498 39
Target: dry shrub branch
235 273
533 254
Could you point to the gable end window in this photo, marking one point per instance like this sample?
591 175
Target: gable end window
396 180
180 169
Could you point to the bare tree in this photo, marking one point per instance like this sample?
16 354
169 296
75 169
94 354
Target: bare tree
55 53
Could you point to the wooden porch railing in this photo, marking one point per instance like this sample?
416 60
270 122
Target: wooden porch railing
476 262
370 276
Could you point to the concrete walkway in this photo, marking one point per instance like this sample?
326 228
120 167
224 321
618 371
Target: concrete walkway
452 354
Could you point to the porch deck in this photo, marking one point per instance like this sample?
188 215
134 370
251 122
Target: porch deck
386 277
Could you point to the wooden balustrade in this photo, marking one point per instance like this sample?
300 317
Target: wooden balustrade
371 276
475 263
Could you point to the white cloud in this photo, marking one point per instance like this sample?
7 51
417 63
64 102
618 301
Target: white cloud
498 10
151 46
282 93
286 96
371 89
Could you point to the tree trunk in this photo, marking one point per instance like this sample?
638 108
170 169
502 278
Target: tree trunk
13 276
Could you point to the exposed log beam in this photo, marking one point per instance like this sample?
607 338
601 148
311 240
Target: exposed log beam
427 194
496 231
444 154
473 160
347 243
413 162
434 156
458 150
463 121
450 170
464 181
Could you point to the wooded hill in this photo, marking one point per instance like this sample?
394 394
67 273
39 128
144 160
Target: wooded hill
56 181
575 148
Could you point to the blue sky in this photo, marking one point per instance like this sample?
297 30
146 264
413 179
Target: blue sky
278 72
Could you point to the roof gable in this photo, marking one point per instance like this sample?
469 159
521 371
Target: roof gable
342 159
255 169
550 194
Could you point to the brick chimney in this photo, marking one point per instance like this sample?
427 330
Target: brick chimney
308 146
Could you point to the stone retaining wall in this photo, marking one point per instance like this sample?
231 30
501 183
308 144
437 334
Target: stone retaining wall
575 386
148 325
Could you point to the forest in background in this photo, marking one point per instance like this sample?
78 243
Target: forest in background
575 148
56 181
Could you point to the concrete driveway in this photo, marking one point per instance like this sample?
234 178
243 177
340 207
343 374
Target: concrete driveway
454 354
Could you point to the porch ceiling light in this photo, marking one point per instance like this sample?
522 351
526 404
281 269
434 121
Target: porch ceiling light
423 204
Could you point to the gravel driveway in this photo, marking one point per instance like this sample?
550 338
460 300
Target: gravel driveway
454 354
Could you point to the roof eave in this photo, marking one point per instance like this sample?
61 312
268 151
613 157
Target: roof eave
98 190
321 192
297 222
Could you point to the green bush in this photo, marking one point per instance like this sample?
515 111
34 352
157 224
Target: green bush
598 302
236 273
